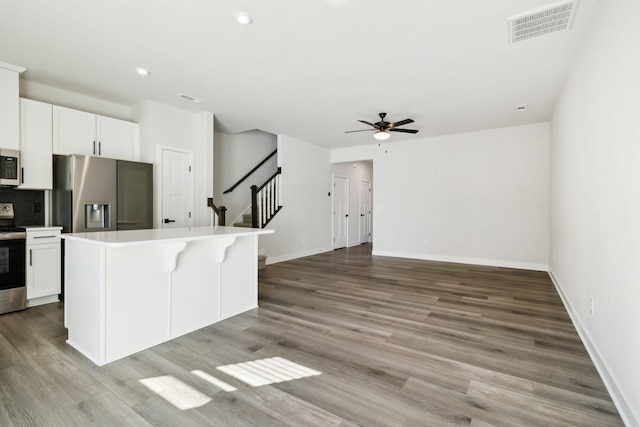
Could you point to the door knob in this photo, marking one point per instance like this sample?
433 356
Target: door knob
167 220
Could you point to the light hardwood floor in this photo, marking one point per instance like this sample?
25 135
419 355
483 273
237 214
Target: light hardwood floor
390 342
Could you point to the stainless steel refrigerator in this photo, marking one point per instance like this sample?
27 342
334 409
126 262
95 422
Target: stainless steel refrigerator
99 194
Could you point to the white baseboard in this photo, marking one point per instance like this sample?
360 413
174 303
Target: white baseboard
601 366
288 257
463 260
42 300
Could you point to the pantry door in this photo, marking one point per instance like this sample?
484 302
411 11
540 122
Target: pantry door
177 188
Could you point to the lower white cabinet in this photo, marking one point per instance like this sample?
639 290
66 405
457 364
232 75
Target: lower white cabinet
43 265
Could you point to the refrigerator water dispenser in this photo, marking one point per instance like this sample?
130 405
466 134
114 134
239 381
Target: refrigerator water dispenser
96 215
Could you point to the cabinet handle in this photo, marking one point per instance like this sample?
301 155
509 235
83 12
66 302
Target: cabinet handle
30 257
99 148
22 175
94 148
43 237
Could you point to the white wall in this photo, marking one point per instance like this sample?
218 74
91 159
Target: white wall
303 226
354 172
235 155
595 198
479 198
65 98
162 125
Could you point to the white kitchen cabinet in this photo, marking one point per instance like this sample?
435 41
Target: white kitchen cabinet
9 109
43 265
36 144
74 132
116 138
79 132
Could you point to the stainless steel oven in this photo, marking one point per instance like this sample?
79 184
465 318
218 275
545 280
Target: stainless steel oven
13 291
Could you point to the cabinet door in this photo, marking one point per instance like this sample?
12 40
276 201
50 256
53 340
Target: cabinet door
115 138
9 110
36 127
74 132
43 270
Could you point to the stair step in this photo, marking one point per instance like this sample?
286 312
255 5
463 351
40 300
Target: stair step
246 218
262 261
242 224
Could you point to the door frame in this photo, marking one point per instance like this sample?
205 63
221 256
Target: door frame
333 209
367 215
160 149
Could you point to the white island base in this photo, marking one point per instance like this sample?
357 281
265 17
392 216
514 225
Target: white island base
126 291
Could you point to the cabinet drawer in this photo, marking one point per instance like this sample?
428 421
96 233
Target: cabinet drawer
42 237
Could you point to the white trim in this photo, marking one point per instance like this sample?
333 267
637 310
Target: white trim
601 366
288 257
333 209
18 69
464 260
159 156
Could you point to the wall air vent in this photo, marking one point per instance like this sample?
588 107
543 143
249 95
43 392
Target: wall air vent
549 19
189 98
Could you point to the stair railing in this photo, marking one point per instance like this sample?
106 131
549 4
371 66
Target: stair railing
221 212
265 201
241 180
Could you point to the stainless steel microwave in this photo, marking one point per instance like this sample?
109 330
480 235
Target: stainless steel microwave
9 167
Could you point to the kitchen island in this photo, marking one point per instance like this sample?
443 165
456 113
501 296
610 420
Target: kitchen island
126 291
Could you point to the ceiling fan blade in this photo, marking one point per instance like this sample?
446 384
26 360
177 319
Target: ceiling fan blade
403 130
361 130
401 123
367 123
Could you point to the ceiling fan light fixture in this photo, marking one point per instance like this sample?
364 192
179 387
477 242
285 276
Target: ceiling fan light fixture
381 135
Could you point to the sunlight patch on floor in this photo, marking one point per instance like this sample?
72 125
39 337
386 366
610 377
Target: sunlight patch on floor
174 391
254 373
267 371
213 380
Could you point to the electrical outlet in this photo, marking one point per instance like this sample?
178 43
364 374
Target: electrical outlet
591 306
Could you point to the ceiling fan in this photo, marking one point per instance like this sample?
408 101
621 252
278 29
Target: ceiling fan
382 128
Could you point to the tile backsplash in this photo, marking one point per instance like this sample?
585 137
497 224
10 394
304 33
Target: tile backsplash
28 205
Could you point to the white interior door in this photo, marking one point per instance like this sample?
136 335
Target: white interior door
177 188
340 212
365 211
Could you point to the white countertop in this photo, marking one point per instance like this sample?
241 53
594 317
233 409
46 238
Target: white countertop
158 235
42 228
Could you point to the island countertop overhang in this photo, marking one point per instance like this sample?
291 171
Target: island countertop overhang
159 235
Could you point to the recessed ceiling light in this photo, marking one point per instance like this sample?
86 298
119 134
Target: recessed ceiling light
521 107
243 18
142 71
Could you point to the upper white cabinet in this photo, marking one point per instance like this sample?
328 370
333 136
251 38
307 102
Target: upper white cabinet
74 132
9 109
78 132
36 144
116 138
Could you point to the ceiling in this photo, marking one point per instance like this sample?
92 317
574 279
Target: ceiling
307 69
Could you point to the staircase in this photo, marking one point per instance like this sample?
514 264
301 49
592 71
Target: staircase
246 221
265 203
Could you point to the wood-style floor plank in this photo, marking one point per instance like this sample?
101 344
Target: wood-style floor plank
397 342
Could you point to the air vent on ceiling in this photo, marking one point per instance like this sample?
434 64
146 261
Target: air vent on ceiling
549 19
189 98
